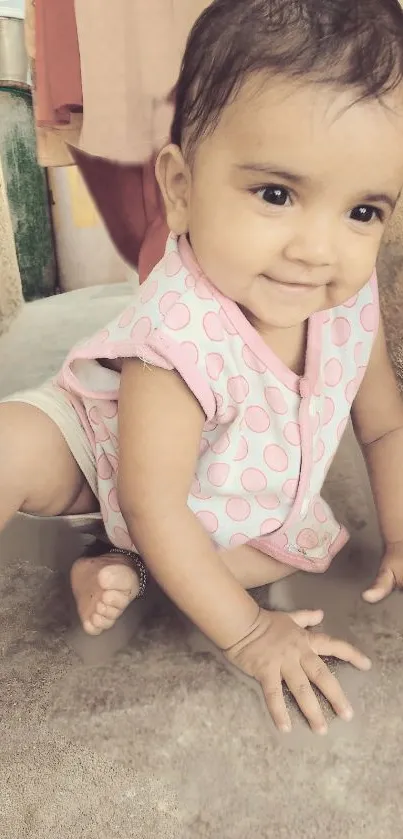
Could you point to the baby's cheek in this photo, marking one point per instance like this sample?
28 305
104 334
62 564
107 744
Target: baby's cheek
360 262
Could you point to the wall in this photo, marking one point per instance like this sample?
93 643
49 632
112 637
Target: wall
85 253
10 283
12 8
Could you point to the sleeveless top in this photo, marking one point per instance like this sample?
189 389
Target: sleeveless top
269 435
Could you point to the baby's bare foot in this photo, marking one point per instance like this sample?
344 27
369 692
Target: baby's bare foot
103 587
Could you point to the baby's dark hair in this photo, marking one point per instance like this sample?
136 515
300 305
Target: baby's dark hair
343 43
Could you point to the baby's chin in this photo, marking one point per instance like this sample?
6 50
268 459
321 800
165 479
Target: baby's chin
278 317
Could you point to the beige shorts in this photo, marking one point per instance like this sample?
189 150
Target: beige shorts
53 401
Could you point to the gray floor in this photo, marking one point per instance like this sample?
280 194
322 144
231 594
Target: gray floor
162 740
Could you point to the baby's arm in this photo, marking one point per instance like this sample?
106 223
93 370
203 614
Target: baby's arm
378 423
160 428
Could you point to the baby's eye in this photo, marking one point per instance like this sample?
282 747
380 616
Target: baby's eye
273 194
366 214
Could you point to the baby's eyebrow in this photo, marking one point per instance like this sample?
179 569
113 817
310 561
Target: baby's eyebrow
382 198
271 169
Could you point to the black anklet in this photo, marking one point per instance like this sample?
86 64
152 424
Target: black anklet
139 565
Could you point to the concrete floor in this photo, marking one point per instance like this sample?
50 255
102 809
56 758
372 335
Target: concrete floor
162 740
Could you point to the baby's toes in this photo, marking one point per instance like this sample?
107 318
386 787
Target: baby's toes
116 599
90 628
112 613
101 622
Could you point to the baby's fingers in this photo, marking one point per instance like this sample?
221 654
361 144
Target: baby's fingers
273 694
382 587
320 675
307 617
324 645
301 689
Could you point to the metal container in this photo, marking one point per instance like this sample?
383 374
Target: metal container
13 55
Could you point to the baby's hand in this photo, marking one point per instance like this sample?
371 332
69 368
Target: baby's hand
281 648
390 575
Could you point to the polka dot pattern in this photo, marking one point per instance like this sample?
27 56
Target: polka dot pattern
269 526
208 520
204 446
307 539
333 372
320 451
349 304
121 538
268 502
101 433
252 361
368 317
250 465
190 352
276 458
113 500
341 331
222 444
229 415
167 301
141 331
104 468
178 317
213 327
275 400
292 434
328 411
238 509
108 409
238 388
127 318
211 425
254 480
219 399
214 365
218 474
148 291
257 419
173 264
238 539
320 512
242 450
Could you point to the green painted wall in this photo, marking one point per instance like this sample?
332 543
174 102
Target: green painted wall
27 194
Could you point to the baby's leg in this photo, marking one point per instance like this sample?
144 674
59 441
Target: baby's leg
39 475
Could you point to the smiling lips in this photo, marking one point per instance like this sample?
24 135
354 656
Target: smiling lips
294 288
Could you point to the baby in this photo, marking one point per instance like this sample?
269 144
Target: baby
203 420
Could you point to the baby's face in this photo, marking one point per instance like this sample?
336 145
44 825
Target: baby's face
289 197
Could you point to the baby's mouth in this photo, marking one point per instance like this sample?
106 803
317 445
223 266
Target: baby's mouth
293 288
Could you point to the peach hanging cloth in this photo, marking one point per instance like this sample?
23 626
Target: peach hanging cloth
130 53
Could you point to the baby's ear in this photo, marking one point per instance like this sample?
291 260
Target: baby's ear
173 177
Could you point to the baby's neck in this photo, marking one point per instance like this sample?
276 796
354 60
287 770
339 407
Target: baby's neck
289 345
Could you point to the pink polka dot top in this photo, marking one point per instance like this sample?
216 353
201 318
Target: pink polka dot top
269 436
